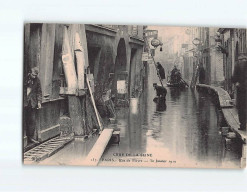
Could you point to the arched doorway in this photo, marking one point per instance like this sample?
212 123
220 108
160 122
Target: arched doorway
120 87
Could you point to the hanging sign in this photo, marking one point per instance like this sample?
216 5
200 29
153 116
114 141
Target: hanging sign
155 42
121 87
145 56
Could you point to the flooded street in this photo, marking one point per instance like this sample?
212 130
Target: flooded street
181 132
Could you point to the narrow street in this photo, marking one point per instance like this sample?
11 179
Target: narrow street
184 132
129 95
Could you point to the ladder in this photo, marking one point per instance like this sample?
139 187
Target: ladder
194 77
146 41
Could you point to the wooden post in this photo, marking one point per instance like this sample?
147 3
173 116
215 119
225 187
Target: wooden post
80 68
75 113
82 33
68 64
71 80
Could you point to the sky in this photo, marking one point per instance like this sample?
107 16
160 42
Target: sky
166 32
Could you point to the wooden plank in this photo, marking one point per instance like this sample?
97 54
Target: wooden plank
82 33
94 106
80 59
234 124
99 147
234 113
68 63
66 91
229 119
48 133
229 112
80 68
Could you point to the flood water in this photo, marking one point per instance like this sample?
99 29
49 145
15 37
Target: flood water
181 132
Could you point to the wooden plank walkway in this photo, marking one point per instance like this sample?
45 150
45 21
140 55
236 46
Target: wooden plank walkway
231 116
224 97
99 148
46 149
229 111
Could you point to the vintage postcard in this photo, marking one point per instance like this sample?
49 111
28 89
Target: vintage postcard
134 96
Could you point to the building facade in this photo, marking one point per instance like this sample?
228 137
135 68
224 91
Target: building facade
232 42
72 57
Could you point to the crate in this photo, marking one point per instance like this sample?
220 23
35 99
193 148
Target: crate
115 139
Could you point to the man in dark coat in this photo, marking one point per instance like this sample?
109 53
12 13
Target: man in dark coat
160 91
240 78
32 101
201 74
174 77
161 71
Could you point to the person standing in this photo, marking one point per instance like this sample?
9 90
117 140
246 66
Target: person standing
240 78
174 74
161 71
202 74
32 101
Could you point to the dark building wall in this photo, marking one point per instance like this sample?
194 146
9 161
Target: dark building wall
136 71
39 42
101 59
106 51
234 43
111 51
43 47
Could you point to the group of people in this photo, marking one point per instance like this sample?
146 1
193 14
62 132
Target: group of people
175 78
33 94
160 90
239 78
175 75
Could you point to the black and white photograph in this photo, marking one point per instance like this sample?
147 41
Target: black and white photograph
114 96
134 96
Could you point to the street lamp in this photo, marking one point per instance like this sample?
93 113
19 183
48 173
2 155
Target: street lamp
196 42
156 43
219 46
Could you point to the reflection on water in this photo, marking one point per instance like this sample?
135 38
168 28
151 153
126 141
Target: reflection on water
182 129
179 132
160 104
